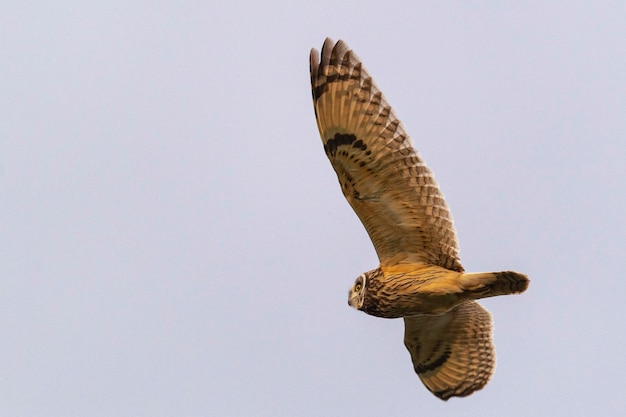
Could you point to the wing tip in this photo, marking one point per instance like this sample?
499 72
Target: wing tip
314 63
325 64
332 52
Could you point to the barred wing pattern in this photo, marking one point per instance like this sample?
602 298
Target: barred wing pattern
380 173
452 353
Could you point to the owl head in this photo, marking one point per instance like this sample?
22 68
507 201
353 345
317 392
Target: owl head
357 292
370 294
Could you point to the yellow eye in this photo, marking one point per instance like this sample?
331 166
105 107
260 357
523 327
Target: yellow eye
357 287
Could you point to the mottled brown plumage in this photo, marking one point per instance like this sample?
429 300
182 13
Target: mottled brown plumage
395 195
452 353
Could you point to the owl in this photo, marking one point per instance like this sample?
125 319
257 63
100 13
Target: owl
420 277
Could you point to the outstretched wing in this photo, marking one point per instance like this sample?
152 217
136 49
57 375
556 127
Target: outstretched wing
453 353
382 177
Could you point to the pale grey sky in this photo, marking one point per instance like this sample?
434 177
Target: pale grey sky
174 242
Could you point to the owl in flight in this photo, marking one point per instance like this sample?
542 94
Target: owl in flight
420 277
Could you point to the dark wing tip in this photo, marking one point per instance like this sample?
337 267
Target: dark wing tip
328 51
314 63
331 53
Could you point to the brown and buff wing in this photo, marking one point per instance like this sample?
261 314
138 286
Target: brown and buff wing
452 353
380 173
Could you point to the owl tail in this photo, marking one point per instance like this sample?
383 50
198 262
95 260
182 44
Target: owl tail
491 284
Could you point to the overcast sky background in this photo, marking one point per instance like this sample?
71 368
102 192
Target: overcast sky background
174 241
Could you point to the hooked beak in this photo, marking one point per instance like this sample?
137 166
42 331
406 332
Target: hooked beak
353 300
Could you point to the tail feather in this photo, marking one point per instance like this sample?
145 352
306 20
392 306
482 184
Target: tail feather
491 284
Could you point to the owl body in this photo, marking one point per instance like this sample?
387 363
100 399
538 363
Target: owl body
420 277
413 290
404 295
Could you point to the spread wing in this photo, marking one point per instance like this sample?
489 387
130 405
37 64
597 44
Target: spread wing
382 177
453 353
